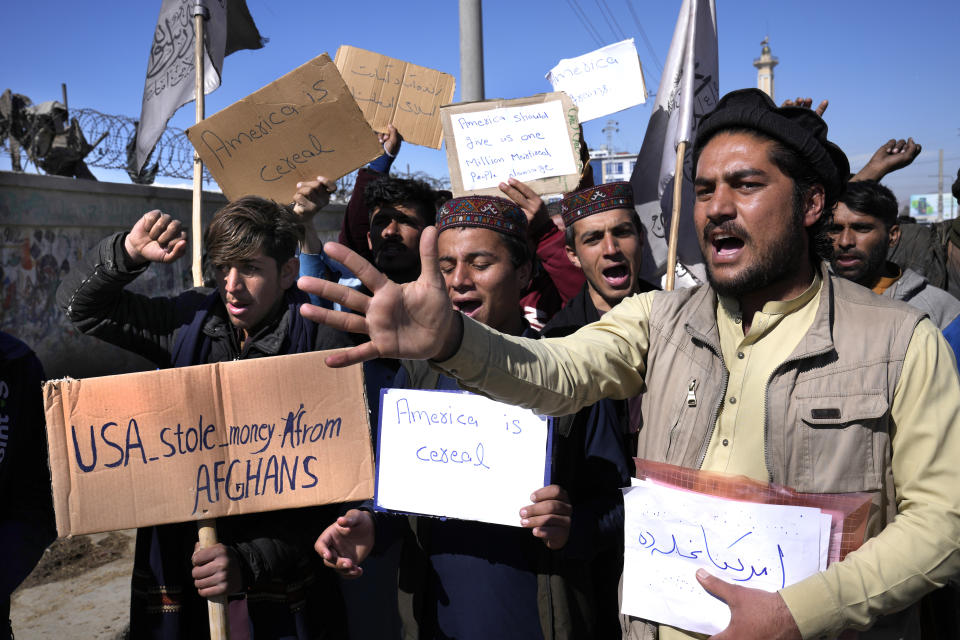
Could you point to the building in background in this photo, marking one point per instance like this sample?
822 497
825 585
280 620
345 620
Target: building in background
765 64
611 166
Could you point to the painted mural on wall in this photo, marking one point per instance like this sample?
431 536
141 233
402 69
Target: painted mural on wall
32 262
47 224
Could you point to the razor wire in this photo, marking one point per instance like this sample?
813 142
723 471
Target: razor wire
173 153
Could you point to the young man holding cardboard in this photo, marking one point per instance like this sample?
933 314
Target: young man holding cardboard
781 372
253 313
477 580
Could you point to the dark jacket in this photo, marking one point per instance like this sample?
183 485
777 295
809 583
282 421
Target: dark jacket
289 593
591 460
26 505
576 588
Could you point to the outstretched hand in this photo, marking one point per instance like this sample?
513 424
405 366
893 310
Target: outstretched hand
892 155
807 103
413 320
347 542
155 237
755 614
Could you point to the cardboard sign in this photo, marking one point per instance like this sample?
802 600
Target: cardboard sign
670 533
459 455
603 81
303 125
393 91
535 140
184 444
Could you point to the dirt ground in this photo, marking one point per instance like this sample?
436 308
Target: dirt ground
80 589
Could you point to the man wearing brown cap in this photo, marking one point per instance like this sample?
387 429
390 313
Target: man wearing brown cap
781 372
604 237
592 457
461 579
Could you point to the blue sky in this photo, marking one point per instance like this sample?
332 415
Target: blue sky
890 68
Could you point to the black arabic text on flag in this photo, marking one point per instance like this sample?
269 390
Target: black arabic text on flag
689 89
170 70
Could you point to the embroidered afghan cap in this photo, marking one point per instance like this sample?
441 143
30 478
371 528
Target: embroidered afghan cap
586 202
487 212
798 128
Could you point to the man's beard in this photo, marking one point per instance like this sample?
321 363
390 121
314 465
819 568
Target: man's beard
770 266
871 267
400 266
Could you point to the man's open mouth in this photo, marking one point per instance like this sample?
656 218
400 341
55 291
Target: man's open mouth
726 245
468 307
617 275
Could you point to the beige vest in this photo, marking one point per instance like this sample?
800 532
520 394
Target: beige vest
827 422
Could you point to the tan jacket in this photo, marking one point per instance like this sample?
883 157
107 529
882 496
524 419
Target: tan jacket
849 363
828 423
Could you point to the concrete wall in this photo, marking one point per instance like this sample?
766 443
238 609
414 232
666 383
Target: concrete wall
47 223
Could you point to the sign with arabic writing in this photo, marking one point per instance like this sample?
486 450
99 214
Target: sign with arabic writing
670 533
391 91
300 126
459 455
535 140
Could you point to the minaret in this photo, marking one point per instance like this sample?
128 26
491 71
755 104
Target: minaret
765 64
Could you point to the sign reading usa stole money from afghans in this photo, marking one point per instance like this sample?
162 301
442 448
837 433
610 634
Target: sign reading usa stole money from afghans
535 140
459 455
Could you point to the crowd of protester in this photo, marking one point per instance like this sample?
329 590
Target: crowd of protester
824 313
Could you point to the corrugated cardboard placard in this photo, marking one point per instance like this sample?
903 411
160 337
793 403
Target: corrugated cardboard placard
212 440
535 140
393 91
300 126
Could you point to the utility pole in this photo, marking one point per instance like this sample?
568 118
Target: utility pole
471 51
611 128
940 189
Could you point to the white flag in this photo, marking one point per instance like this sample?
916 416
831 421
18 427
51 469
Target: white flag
689 89
170 71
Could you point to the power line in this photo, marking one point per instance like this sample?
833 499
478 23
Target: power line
585 21
618 33
643 35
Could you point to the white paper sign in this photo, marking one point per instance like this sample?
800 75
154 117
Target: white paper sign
603 81
458 455
525 143
670 533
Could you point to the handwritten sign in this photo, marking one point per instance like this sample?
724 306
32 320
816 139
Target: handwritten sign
535 140
459 455
391 91
299 126
670 533
603 81
185 444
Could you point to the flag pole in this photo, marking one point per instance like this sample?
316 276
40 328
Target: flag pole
675 218
199 15
206 529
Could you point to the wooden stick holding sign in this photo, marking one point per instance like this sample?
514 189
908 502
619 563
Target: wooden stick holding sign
206 529
675 219
535 140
